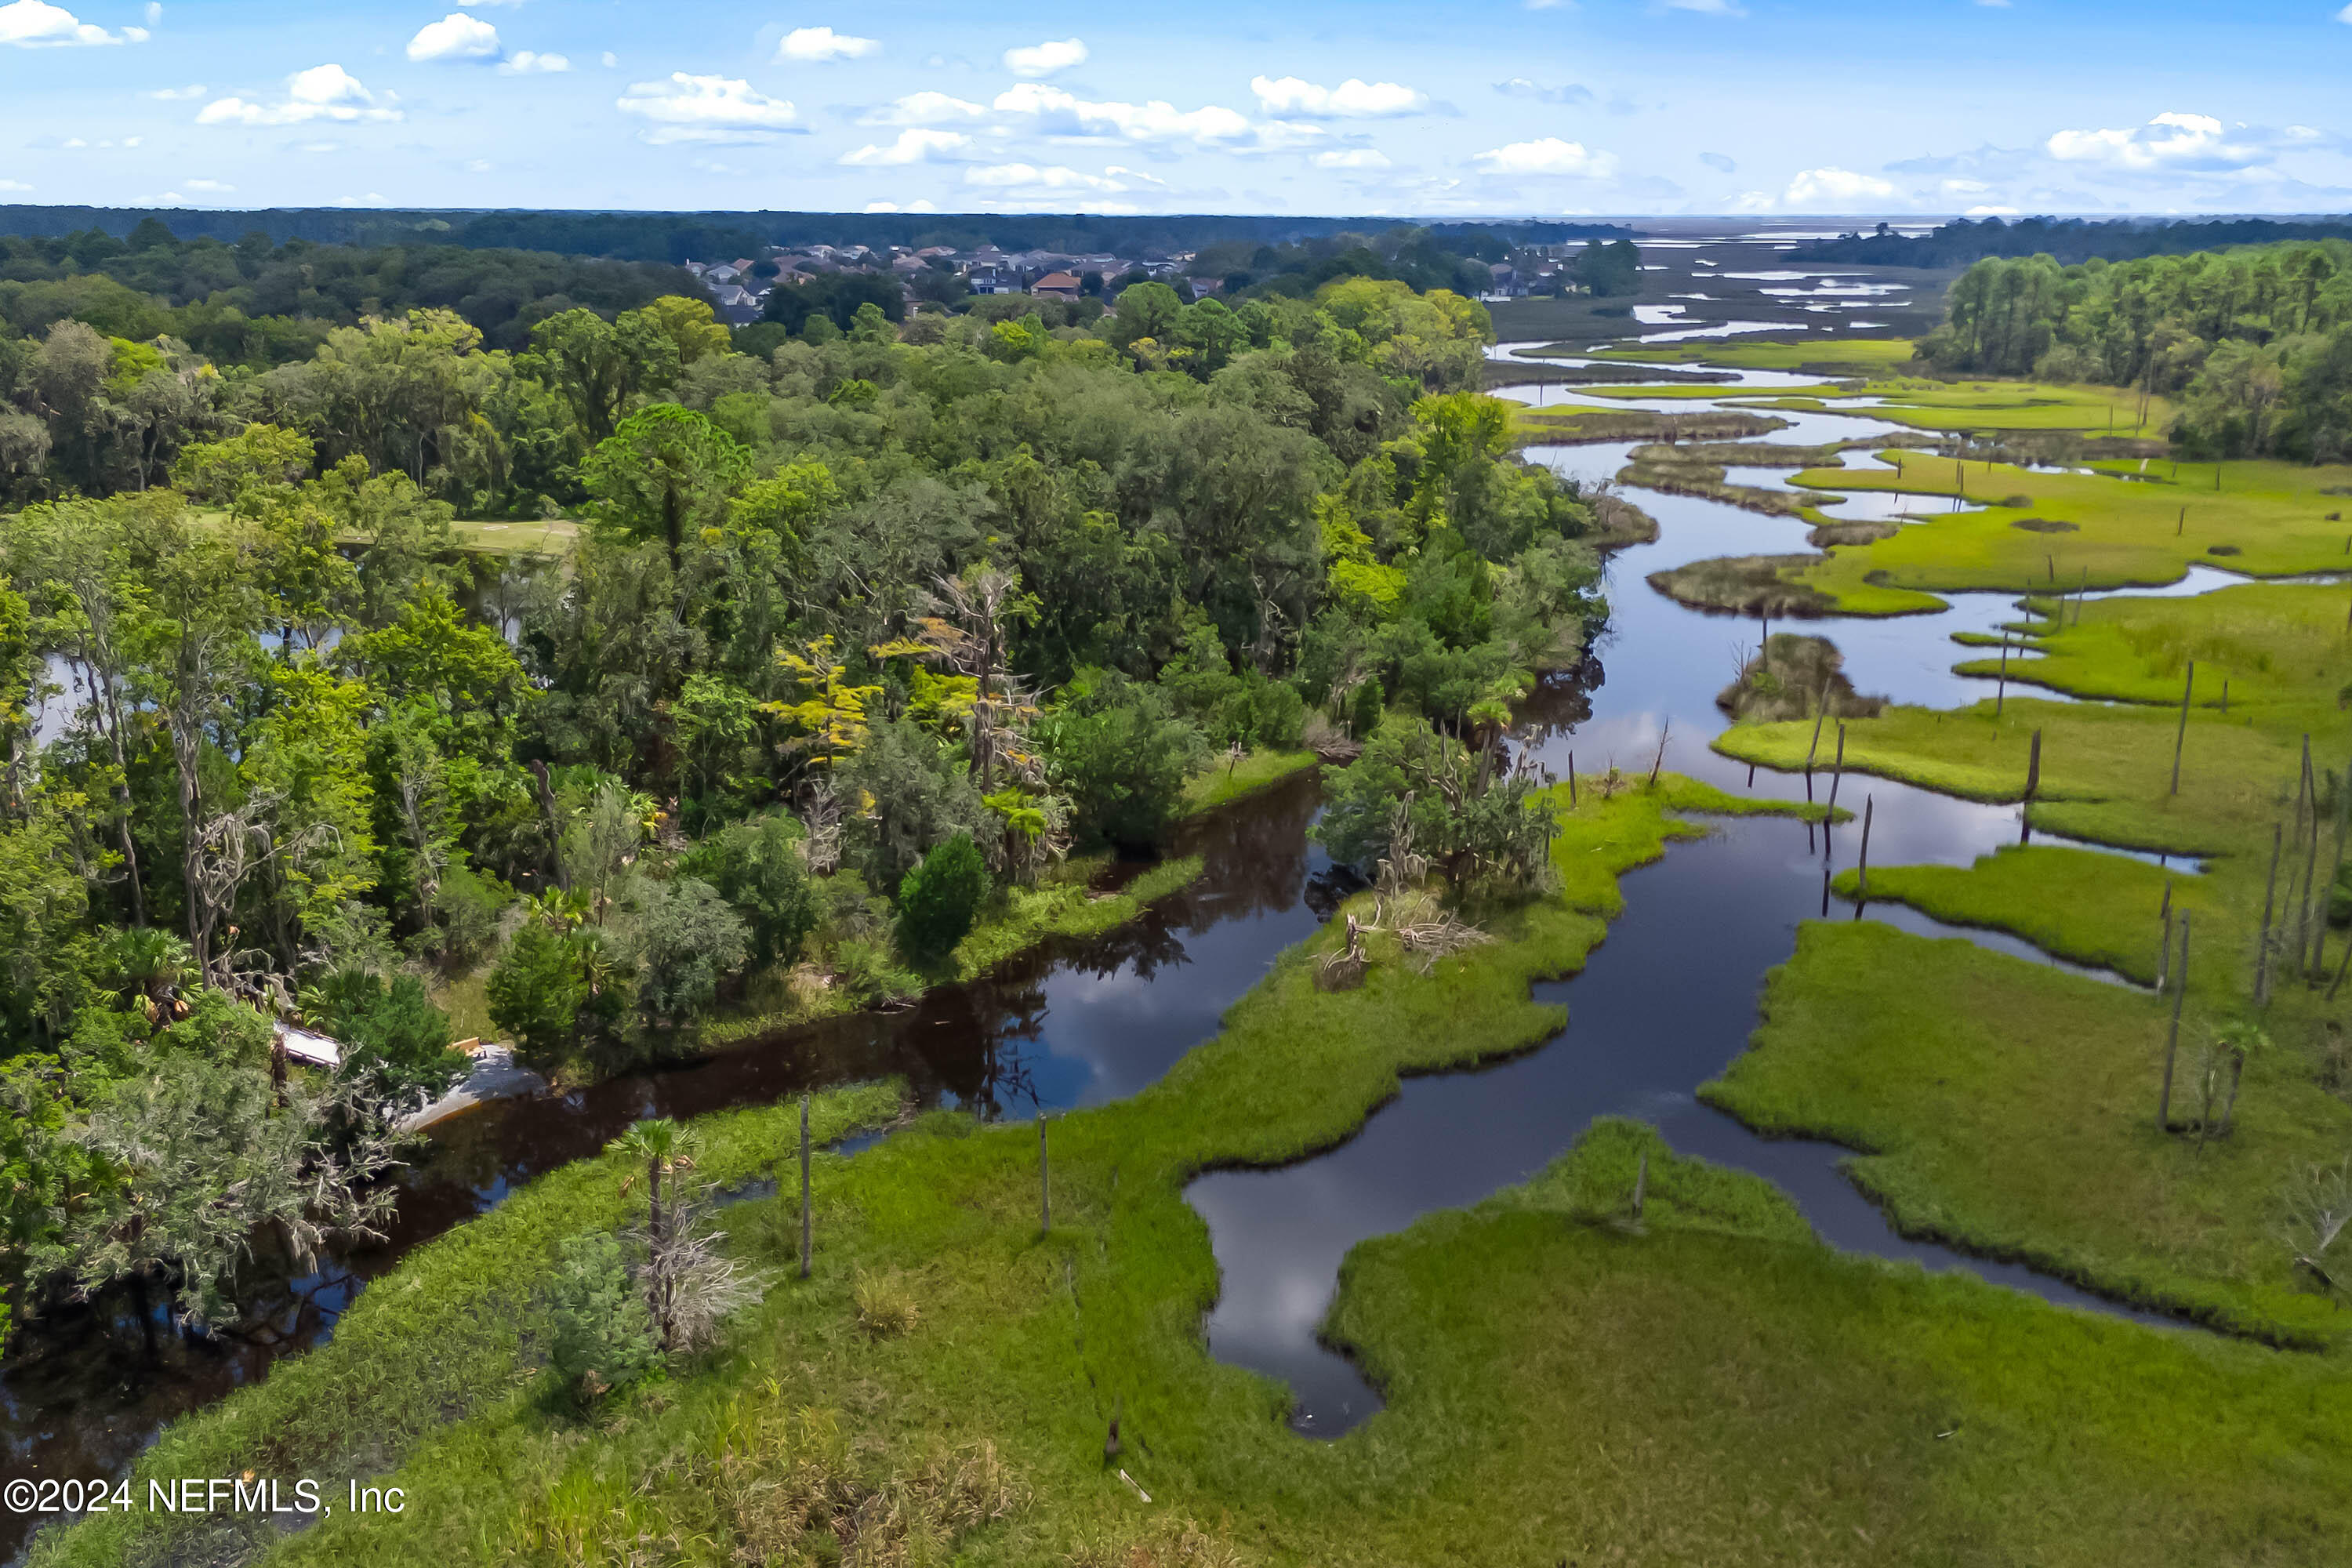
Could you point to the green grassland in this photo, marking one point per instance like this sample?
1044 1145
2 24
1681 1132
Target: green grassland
1990 405
2271 518
2275 644
1840 357
2012 1108
1222 781
536 536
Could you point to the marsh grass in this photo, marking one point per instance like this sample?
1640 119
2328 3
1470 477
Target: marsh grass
1795 677
2119 533
2011 1107
1218 784
1744 585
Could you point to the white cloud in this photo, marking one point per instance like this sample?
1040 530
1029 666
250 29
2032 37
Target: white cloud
34 24
2170 140
1991 211
1707 7
913 146
171 94
925 108
478 166
1567 92
895 207
2345 15
155 13
213 186
708 109
1053 186
1965 188
455 36
14 185
1353 158
523 62
1006 176
1548 155
1352 100
1051 111
1754 202
1812 186
323 92
810 46
1044 59
373 199
610 60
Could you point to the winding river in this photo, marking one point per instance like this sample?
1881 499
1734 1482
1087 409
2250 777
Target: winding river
1664 1002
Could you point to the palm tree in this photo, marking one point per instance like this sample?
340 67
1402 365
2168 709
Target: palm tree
666 1150
2235 1041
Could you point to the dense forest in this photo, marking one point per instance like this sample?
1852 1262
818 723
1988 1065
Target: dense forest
254 303
673 237
834 647
2068 240
2256 342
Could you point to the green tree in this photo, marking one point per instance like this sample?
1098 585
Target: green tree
759 869
939 898
202 1164
598 366
396 1042
247 471
666 473
687 942
1117 748
539 992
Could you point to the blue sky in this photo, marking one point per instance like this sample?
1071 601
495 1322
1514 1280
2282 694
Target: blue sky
1496 107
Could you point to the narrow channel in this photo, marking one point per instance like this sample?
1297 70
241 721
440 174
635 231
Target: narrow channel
1669 998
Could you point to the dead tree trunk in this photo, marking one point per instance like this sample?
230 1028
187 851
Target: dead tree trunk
1044 1182
2172 1037
2181 740
2270 902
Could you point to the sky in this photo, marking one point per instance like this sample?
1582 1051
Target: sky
1471 107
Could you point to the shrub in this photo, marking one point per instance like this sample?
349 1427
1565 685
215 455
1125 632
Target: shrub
885 1305
939 899
862 969
600 1336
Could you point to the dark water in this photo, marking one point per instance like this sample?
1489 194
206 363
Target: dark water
1074 1024
1670 997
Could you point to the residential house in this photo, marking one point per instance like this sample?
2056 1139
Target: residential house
1056 286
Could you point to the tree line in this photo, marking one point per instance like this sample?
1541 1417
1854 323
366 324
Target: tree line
2067 240
2256 342
673 238
835 649
252 303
